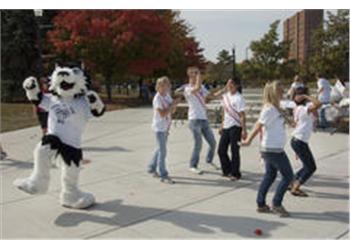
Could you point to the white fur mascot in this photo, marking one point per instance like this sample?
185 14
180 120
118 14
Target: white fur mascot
70 104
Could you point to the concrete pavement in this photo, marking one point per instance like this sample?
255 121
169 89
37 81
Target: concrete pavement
133 205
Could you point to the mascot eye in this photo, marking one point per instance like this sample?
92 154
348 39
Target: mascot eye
76 71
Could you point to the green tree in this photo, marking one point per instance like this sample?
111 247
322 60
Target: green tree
222 70
19 53
331 46
268 54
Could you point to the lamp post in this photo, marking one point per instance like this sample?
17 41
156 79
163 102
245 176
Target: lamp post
38 13
233 61
247 53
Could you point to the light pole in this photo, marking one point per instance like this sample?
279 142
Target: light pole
38 14
247 53
233 61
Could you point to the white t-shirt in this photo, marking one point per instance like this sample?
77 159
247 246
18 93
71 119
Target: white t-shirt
161 124
196 103
273 132
233 105
325 95
304 123
296 85
341 89
67 118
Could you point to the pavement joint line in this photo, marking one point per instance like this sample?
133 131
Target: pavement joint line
167 211
342 234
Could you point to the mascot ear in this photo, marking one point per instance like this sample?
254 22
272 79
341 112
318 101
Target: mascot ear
82 65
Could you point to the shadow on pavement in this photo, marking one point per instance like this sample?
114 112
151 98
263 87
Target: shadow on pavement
107 149
10 163
124 215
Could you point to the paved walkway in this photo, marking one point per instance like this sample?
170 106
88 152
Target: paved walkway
132 204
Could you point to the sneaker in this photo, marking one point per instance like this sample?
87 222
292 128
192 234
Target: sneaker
196 170
213 165
154 174
167 180
281 211
264 209
234 178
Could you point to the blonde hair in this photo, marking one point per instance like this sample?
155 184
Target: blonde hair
271 96
161 81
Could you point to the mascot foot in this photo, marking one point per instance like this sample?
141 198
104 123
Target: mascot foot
78 200
28 186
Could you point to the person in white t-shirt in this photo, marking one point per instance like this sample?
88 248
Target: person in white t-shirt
324 90
163 107
271 124
195 94
296 84
304 117
233 128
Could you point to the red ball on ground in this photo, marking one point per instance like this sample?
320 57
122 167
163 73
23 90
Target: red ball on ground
258 231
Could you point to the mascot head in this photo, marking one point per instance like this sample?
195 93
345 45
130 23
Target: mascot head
69 80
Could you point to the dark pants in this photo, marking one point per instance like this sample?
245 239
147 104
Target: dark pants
230 137
42 118
305 155
275 162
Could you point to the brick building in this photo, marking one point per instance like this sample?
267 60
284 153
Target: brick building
298 31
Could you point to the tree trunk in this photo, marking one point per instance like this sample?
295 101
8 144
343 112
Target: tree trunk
140 87
108 88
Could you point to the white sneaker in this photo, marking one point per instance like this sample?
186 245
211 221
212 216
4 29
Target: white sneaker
213 165
196 170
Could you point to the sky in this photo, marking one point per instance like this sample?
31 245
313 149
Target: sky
221 29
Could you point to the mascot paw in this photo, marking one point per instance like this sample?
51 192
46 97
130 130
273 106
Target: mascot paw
77 200
28 186
96 105
30 83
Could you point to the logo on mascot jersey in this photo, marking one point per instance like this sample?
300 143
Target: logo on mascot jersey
69 80
62 112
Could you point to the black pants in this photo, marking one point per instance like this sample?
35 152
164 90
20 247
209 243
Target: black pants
42 118
230 137
305 155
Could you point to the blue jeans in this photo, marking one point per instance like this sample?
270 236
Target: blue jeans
322 121
275 162
159 155
199 128
305 155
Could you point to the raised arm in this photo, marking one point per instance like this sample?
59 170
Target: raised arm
33 92
316 104
97 107
198 84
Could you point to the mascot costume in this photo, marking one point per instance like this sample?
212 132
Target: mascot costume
70 104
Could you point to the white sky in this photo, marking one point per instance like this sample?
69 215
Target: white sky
220 29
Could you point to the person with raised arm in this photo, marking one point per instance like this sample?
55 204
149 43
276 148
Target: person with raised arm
233 128
195 94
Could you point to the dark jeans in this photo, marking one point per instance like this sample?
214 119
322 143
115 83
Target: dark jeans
230 137
275 162
305 155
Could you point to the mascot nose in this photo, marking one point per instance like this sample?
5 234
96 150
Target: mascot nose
63 73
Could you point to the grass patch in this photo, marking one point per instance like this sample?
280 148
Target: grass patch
21 115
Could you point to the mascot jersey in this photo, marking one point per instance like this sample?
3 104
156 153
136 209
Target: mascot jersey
67 117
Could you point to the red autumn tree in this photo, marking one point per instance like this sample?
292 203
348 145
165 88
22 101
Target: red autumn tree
113 42
185 50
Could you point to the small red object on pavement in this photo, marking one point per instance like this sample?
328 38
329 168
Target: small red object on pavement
258 231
